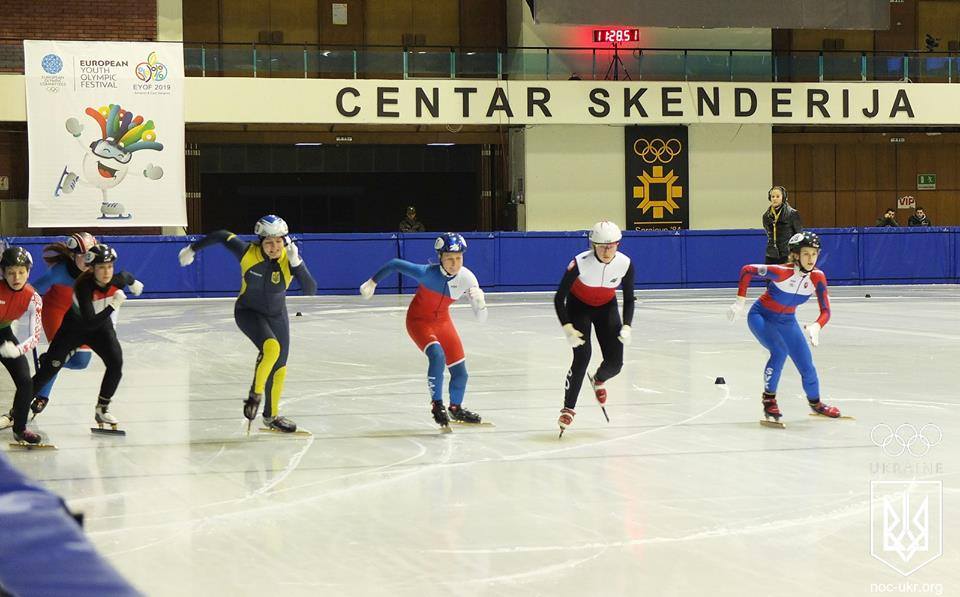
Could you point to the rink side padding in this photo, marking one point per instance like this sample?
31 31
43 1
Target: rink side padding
528 261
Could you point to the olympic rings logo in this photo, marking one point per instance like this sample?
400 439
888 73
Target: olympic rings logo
655 150
906 438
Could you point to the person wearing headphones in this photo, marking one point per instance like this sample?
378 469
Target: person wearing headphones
781 221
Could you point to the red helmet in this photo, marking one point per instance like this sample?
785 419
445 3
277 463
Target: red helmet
80 242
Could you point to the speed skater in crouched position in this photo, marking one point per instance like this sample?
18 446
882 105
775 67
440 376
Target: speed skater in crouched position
97 297
16 298
430 326
267 266
773 320
587 297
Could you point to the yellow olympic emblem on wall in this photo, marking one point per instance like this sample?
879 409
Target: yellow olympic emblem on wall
657 150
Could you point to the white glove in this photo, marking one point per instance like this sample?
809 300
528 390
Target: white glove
574 336
478 302
736 309
9 350
136 288
153 172
116 301
74 127
624 336
367 289
293 253
813 332
186 256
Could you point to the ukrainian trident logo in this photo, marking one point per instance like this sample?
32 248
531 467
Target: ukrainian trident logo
906 523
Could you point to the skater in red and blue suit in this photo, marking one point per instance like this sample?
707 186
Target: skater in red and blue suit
773 320
429 324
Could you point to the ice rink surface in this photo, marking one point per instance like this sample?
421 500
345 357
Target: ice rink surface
682 493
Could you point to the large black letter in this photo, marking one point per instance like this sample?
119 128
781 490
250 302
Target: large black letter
598 97
876 105
738 93
343 111
432 107
382 102
820 102
711 102
465 91
538 101
666 101
778 101
499 101
633 100
901 104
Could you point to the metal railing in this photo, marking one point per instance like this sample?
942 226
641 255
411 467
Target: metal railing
537 63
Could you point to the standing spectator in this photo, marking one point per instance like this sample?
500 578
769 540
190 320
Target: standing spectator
781 222
919 218
888 218
410 223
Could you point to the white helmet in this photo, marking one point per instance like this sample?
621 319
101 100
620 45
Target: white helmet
605 232
271 226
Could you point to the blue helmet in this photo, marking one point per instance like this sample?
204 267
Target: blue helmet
450 242
271 226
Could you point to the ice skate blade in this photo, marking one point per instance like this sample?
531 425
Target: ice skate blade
297 433
605 415
26 446
849 418
468 424
776 424
123 217
445 429
102 431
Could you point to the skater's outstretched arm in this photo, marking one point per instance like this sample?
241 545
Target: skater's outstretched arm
777 273
566 283
57 274
34 316
299 268
407 268
83 292
224 237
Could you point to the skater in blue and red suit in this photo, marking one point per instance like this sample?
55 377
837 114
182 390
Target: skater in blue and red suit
773 320
429 324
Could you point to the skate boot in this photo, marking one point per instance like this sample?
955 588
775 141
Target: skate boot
110 210
39 403
103 417
771 411
566 419
822 409
598 390
250 407
279 424
6 420
27 437
459 414
440 415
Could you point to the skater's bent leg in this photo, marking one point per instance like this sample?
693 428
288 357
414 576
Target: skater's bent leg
274 384
436 362
458 383
19 369
607 323
580 318
255 327
107 347
766 333
803 360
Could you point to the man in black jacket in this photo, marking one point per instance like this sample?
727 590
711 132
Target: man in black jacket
781 222
919 218
889 218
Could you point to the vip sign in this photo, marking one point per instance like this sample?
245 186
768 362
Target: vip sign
906 523
907 202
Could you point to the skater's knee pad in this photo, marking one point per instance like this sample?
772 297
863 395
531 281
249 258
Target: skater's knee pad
271 351
79 360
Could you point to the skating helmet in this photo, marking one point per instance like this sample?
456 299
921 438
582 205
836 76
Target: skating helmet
100 254
604 233
80 242
271 225
803 239
450 242
16 256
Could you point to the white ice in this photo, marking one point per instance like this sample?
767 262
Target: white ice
682 493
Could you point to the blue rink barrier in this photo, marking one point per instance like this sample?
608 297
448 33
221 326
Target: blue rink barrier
528 261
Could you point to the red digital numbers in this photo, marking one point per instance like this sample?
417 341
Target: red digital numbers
616 35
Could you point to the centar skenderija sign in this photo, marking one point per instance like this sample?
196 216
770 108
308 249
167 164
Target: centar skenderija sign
461 101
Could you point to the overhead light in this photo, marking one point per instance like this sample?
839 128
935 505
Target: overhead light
440 144
307 144
421 52
326 52
345 139
471 53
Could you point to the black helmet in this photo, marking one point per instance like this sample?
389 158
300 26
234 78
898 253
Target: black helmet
16 256
100 254
803 239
